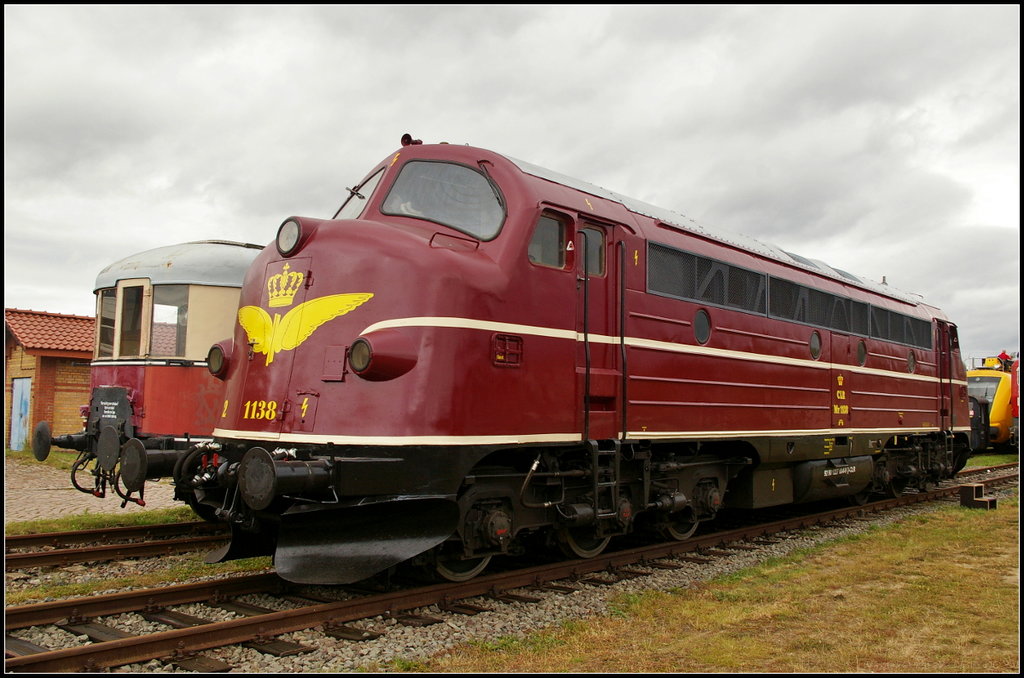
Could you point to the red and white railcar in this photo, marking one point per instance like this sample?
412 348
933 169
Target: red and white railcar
157 313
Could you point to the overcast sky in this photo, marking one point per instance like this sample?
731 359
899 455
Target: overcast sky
883 140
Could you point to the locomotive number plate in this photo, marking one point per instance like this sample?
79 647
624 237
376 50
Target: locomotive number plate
260 409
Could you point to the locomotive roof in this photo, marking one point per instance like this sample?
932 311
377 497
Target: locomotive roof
685 223
203 262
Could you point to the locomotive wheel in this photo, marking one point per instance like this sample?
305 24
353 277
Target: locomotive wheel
461 570
895 487
961 460
860 498
679 529
581 542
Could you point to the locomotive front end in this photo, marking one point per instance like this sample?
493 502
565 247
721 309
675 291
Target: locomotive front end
325 451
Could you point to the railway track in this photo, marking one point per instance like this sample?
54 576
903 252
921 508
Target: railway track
259 626
82 546
66 548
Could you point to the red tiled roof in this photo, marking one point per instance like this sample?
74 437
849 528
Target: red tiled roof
41 331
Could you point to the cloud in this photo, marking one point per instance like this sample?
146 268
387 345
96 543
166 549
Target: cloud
881 139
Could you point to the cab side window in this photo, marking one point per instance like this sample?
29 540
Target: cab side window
131 321
594 238
357 198
170 320
547 247
106 312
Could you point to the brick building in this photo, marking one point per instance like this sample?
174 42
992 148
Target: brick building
46 372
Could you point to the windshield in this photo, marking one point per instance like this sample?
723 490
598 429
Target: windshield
983 387
453 195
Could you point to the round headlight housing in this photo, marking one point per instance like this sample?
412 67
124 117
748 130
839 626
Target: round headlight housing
360 355
288 237
217 359
387 354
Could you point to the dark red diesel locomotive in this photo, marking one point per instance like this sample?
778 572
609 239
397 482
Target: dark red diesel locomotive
476 354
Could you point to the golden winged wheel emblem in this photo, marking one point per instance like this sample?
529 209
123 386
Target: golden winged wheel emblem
270 336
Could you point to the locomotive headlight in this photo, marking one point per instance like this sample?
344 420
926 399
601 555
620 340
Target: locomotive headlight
288 236
217 358
384 355
360 355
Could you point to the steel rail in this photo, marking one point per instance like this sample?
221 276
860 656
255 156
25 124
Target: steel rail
106 534
23 616
162 547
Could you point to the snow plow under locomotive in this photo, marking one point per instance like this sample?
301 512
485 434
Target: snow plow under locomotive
477 354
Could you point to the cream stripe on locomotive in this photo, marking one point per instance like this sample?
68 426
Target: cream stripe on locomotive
399 441
704 435
175 362
532 330
512 439
636 342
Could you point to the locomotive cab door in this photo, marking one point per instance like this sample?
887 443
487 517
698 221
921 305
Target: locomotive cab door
598 363
946 338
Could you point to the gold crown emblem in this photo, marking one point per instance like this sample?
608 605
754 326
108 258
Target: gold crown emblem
283 286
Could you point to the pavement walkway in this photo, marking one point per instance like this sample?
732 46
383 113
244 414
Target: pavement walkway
35 491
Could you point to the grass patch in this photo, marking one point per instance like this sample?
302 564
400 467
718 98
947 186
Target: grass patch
62 460
992 459
95 521
935 593
534 643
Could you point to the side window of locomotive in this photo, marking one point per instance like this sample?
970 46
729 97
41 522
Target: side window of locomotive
106 308
170 320
358 197
452 195
547 246
594 239
131 321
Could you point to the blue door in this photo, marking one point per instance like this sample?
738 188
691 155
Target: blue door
21 395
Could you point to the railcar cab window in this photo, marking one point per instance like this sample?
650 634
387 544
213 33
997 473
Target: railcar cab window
131 320
141 320
453 195
106 303
358 197
547 246
170 320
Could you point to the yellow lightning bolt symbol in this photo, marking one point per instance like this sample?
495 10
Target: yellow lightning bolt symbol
305 404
